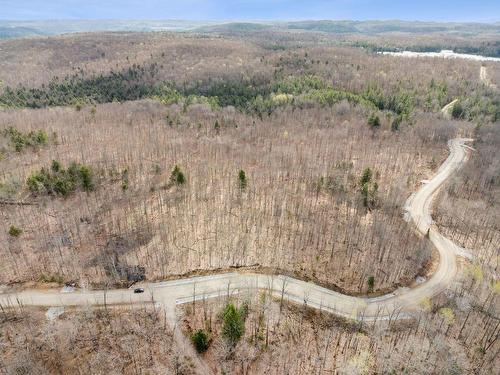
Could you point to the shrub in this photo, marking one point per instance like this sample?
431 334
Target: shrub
374 121
200 341
21 140
177 177
56 166
15 231
86 178
366 176
48 278
40 137
60 181
396 123
448 315
125 180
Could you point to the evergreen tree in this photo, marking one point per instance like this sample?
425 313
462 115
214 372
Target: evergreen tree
177 177
242 179
233 326
200 341
457 111
371 283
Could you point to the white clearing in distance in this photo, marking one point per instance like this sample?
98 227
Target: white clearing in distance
445 54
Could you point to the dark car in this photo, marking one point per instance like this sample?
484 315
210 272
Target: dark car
139 290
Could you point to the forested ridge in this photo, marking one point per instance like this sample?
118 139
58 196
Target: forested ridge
255 95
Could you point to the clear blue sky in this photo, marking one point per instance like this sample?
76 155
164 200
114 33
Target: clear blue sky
424 10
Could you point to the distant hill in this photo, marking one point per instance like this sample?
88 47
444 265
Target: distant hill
375 27
18 32
472 38
373 35
16 29
235 27
356 27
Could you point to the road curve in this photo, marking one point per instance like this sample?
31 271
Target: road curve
483 76
397 305
448 108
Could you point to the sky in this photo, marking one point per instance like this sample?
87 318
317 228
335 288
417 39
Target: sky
423 10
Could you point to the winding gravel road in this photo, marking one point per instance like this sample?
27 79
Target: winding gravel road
483 76
399 304
446 110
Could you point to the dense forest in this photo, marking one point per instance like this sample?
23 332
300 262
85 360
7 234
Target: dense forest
255 95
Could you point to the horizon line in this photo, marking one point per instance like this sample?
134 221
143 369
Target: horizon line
246 20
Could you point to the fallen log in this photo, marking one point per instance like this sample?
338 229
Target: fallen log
17 203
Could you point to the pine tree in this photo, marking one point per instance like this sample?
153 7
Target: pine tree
200 341
242 179
233 326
